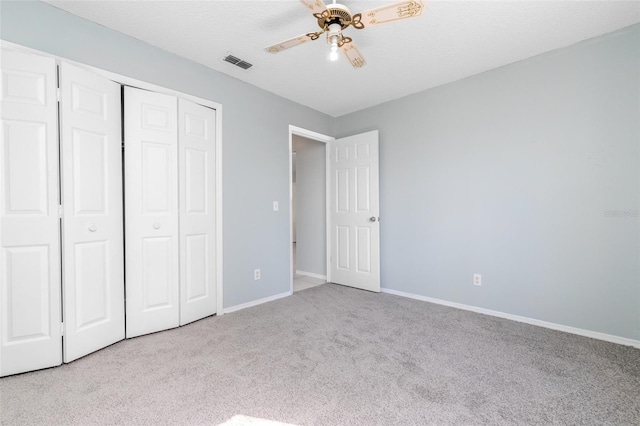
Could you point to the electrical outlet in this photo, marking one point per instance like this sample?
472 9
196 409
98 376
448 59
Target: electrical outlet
276 206
256 274
477 279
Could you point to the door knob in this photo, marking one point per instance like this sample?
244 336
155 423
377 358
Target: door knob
156 225
372 219
93 228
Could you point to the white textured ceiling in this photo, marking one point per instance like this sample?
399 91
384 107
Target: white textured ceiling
450 41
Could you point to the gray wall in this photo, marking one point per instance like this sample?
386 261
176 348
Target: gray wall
255 135
310 205
511 174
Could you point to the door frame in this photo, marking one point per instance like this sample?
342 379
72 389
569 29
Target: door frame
129 81
319 137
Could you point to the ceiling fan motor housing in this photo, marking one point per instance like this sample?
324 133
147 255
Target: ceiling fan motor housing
335 14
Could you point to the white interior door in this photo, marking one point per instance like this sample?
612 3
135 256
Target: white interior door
151 211
354 235
92 234
196 141
30 291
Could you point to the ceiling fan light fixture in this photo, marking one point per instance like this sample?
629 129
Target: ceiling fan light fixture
333 55
333 39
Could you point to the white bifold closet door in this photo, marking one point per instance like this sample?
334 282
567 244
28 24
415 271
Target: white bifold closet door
197 138
30 314
151 211
93 258
170 205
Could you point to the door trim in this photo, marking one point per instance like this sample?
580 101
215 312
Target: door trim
129 81
319 137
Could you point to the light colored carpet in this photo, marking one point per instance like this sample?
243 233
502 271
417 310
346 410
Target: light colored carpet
333 355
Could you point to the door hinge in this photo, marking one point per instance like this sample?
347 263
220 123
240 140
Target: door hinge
58 94
62 329
60 210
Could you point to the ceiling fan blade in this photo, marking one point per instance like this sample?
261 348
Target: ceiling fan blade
315 6
292 42
353 54
391 12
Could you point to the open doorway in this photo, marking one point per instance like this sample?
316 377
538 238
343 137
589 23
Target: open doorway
308 208
308 213
351 224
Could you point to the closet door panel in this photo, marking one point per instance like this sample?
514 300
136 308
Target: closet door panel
151 211
156 275
93 243
197 141
30 315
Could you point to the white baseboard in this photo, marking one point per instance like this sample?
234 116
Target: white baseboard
256 302
311 274
573 330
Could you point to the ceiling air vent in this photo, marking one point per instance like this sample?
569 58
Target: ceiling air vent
238 62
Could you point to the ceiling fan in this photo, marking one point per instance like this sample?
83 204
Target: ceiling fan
334 18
